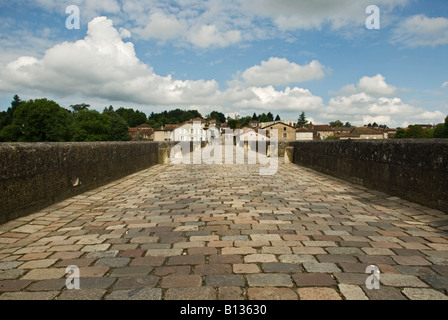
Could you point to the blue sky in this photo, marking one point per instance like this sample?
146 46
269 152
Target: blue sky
233 56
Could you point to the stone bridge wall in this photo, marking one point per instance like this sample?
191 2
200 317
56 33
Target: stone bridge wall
416 170
36 175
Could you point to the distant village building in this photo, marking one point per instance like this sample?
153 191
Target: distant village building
425 126
250 137
364 133
196 129
322 132
250 134
390 133
267 124
192 130
285 132
304 134
255 124
142 133
164 132
213 132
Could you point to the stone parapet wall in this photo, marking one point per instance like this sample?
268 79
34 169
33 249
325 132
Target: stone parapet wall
36 175
415 170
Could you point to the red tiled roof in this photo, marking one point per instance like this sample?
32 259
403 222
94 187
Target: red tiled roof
278 123
324 127
167 127
303 130
364 130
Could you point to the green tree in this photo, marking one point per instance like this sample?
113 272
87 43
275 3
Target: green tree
119 130
270 116
255 117
133 117
336 124
441 130
10 133
347 125
232 123
400 134
245 121
218 116
302 120
42 120
277 118
415 132
15 102
6 117
78 107
264 118
90 125
153 124
172 116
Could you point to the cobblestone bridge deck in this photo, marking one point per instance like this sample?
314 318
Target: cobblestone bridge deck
226 232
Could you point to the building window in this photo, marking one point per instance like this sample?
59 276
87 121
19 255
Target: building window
285 135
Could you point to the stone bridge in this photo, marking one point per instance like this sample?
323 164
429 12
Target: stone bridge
225 232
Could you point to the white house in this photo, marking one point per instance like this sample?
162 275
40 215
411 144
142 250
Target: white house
249 134
304 134
192 130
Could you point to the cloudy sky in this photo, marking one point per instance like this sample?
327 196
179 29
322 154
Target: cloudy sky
233 56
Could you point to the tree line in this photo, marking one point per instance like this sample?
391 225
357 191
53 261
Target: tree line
43 120
417 132
412 132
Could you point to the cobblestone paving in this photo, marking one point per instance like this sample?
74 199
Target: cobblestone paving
225 232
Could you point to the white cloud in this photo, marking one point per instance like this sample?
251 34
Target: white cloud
420 30
445 84
203 24
124 33
208 35
270 99
303 14
369 101
18 41
279 71
161 26
376 86
362 108
88 9
101 65
219 23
